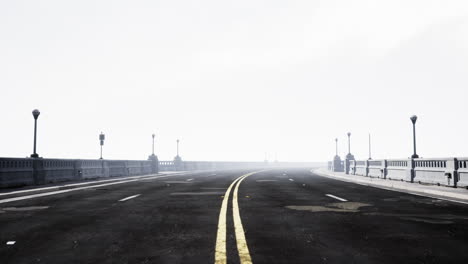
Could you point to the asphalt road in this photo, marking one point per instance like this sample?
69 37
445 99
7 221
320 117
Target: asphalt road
276 216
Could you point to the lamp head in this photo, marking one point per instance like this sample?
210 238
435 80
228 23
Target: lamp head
36 113
413 119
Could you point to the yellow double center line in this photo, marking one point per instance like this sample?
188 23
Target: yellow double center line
242 248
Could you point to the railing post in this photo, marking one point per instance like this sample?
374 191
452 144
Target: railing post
367 168
410 170
451 172
38 171
346 166
78 171
384 169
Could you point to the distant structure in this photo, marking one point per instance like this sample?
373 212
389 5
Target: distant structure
102 137
36 114
154 159
349 156
337 164
178 160
370 156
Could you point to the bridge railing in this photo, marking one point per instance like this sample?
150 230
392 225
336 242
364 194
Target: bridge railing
398 169
13 170
361 167
462 171
376 168
16 172
440 171
30 171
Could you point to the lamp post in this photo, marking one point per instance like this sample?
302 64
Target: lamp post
35 114
413 120
370 157
101 139
153 143
177 148
336 145
349 143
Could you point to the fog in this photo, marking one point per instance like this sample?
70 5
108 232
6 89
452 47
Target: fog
234 80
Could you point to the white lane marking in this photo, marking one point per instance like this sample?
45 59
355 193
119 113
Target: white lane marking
174 182
336 197
71 190
130 197
10 243
291 179
404 191
71 185
196 193
189 179
266 180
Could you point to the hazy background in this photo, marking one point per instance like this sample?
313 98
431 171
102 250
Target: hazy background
234 79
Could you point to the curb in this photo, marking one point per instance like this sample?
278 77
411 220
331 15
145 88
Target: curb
453 195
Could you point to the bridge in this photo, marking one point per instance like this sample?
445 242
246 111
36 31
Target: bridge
151 211
178 211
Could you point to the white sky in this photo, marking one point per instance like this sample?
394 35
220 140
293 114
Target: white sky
234 79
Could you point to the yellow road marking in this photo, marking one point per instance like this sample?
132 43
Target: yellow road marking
243 250
220 250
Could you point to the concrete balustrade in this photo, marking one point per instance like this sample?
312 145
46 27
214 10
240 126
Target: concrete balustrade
16 172
361 167
462 171
399 170
376 168
440 171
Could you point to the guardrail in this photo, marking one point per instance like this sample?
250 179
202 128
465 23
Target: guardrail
440 171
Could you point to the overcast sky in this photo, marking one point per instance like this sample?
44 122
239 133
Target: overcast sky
234 79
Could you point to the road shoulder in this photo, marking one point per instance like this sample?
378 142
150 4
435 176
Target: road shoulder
441 192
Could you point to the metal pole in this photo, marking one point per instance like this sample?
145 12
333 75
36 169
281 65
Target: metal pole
336 142
177 148
370 156
153 144
349 143
101 153
35 135
414 140
413 120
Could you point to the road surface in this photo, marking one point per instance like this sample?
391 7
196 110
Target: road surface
274 216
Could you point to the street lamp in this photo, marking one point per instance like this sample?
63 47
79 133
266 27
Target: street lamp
153 143
349 143
177 148
101 139
413 120
35 114
336 143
